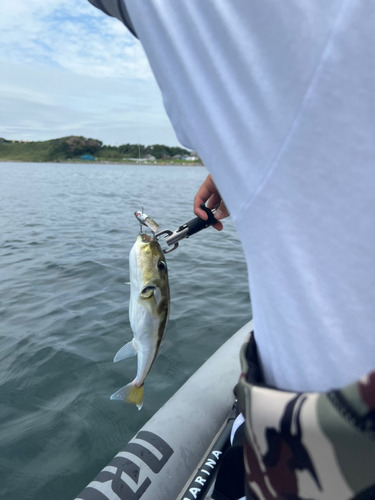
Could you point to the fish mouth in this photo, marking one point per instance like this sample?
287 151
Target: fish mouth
145 238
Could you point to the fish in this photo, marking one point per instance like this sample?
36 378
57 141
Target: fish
148 313
147 221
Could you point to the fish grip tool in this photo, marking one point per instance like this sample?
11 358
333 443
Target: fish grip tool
191 227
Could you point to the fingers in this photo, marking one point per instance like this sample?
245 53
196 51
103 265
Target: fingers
215 199
206 190
218 226
208 193
221 211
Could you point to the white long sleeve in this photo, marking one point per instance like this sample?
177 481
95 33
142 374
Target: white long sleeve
278 98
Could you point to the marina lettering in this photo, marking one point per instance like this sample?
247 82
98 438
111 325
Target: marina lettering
200 480
194 491
211 463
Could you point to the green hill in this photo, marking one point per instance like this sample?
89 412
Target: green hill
73 147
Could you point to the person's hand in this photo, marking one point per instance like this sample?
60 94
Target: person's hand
208 191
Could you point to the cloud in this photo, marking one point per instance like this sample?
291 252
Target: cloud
55 103
66 68
70 35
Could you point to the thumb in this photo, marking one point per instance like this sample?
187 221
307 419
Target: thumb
221 211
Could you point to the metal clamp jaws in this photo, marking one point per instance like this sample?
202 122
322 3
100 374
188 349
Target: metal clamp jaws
188 229
169 233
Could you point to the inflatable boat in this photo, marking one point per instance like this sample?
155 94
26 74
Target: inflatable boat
176 454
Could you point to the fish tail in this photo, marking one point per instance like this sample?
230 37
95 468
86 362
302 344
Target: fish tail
135 396
130 393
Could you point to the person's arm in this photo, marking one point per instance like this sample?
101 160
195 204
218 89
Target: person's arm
208 191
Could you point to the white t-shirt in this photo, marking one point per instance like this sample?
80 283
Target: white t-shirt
278 99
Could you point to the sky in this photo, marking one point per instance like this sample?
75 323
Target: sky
68 69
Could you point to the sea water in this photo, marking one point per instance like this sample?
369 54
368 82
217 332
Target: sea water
65 235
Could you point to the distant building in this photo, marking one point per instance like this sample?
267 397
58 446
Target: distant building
150 157
88 158
190 158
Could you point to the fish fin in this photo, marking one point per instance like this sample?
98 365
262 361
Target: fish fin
130 393
126 351
150 304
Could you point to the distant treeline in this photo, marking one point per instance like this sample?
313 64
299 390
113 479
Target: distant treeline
73 147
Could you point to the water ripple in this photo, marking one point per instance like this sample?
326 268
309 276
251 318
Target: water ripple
65 238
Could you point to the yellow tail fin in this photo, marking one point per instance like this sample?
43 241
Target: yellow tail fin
130 393
135 395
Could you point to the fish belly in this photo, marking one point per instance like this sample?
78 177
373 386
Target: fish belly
146 340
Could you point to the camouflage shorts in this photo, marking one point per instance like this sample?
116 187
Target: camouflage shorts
307 445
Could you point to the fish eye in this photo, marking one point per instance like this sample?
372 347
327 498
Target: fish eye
148 292
161 265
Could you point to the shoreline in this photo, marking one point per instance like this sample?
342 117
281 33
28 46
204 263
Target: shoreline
105 162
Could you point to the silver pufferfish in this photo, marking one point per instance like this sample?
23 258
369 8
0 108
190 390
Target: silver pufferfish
148 313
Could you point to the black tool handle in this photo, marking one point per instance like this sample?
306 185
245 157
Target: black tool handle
197 224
